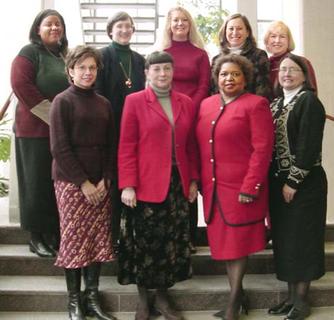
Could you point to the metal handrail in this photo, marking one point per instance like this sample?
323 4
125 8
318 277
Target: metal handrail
329 117
6 105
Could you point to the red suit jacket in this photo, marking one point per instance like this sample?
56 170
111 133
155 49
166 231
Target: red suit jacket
235 145
145 149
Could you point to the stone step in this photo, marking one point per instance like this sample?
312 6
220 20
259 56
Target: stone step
323 313
12 234
202 293
18 260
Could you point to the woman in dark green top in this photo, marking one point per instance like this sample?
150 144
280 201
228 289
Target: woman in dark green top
37 76
122 74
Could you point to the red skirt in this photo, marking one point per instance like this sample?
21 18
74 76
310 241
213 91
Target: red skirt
85 229
230 243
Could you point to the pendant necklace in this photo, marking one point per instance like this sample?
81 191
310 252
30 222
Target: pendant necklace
127 76
61 56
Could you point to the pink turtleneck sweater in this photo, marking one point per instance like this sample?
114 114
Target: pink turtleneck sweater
191 70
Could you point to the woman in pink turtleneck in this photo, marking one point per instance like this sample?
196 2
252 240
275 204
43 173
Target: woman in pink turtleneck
192 72
279 43
182 40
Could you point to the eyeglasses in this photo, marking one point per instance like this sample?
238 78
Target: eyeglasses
290 70
233 74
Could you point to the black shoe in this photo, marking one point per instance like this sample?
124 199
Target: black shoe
298 313
243 309
41 249
280 309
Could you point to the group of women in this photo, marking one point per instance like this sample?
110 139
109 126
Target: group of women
127 159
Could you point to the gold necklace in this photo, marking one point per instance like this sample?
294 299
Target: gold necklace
127 76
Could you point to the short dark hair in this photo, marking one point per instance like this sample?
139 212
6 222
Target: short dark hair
35 38
300 61
245 65
158 57
80 53
118 16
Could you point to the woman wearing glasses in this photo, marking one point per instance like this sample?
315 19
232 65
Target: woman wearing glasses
83 149
298 188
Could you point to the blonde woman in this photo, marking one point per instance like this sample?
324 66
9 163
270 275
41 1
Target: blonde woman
279 43
184 43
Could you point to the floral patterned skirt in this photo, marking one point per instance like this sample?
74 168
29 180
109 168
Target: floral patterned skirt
154 241
85 229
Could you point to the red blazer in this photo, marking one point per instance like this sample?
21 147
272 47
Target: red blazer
235 144
145 149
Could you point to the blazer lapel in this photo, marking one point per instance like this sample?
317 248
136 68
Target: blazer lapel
176 106
154 104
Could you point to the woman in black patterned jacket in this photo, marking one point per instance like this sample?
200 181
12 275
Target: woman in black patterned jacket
236 36
298 188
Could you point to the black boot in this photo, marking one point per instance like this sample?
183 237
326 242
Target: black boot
73 281
92 304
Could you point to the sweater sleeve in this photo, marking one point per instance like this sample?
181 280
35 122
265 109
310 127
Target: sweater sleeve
61 148
261 74
110 167
203 81
23 82
309 139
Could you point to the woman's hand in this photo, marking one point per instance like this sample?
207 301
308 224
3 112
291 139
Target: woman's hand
245 199
101 187
193 191
128 197
91 193
288 193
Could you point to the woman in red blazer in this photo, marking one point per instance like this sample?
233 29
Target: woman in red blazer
157 174
235 138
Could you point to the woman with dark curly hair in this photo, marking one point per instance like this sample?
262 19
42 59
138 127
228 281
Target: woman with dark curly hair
235 139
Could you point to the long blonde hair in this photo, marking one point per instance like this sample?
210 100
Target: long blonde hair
194 36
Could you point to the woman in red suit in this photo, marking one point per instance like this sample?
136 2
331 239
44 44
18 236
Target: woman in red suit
235 137
157 173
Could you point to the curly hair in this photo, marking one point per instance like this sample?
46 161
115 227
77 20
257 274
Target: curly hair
245 65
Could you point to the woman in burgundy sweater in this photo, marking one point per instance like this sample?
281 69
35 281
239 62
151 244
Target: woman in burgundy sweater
279 43
83 149
184 43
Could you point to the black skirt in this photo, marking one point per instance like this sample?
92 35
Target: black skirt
38 208
298 228
154 241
